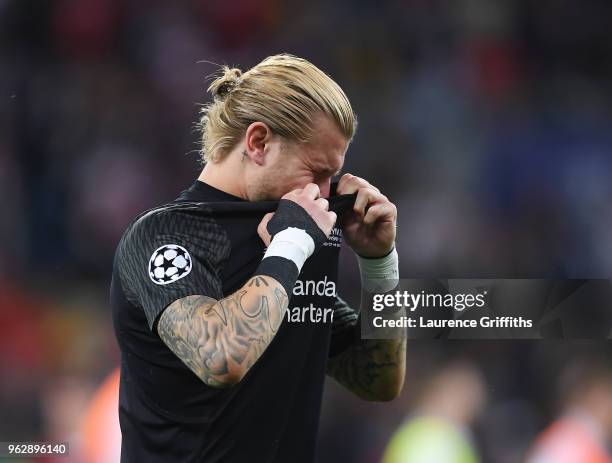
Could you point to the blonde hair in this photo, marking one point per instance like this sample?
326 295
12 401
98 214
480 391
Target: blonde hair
283 91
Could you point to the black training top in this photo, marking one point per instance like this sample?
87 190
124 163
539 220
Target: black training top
206 243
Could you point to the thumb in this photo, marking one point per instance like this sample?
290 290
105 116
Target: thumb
262 228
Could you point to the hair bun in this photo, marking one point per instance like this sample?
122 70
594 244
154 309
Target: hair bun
223 85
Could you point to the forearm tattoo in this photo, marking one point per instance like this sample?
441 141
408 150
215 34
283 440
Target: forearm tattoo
220 340
371 368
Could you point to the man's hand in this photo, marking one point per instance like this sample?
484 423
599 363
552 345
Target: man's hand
316 207
369 229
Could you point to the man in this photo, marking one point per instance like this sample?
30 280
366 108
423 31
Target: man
224 301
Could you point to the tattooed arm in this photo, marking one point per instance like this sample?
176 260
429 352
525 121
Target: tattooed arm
221 340
373 369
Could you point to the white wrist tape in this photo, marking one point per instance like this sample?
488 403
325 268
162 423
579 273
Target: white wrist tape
293 244
379 275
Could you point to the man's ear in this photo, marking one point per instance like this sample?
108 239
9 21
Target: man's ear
258 136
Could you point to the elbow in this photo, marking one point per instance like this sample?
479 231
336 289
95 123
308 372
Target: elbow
383 394
232 377
236 372
227 380
223 376
236 375
385 390
389 394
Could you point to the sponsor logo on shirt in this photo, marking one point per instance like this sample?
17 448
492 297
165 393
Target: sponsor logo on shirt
311 313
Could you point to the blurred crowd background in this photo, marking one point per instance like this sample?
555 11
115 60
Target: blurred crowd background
488 122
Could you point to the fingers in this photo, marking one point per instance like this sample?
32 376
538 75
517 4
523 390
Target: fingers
266 218
312 191
350 184
323 203
383 212
333 218
317 208
324 218
262 228
367 197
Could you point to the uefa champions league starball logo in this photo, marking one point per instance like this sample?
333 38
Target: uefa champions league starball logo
169 263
